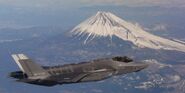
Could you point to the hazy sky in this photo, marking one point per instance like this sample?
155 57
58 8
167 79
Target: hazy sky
18 13
81 3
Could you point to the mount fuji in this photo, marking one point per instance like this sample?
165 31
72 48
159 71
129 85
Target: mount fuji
106 24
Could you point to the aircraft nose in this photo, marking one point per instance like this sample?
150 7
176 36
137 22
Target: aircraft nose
142 66
131 67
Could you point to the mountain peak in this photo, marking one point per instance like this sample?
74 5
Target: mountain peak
102 13
104 24
101 24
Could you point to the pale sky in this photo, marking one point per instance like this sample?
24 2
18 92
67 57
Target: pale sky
81 3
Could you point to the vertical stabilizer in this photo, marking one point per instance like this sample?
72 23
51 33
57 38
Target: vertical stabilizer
28 66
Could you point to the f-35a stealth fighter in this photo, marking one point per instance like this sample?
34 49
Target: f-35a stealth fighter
94 70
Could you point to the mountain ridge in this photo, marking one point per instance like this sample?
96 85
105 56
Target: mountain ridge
104 24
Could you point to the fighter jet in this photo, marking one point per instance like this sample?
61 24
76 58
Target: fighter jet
95 70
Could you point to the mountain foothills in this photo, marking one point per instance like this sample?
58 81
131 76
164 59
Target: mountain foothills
105 24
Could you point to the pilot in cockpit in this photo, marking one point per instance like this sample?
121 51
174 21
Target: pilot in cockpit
122 59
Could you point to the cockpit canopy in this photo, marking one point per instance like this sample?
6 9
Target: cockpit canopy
122 59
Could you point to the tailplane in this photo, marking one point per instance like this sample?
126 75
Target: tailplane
27 66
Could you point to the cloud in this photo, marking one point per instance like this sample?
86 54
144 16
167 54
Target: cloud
102 2
39 3
154 2
97 91
175 78
163 3
8 41
13 25
81 3
158 27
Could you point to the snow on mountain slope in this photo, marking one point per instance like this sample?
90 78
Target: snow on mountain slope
105 24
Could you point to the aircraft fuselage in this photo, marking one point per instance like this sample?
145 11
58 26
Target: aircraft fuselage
94 70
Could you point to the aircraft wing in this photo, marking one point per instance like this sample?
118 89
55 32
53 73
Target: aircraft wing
93 75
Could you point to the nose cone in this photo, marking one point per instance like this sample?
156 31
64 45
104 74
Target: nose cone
140 66
124 68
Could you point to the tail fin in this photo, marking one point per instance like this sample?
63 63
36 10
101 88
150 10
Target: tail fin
28 66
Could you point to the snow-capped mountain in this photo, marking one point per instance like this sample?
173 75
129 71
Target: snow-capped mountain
105 24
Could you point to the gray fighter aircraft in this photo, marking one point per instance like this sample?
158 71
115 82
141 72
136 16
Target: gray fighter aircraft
94 70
